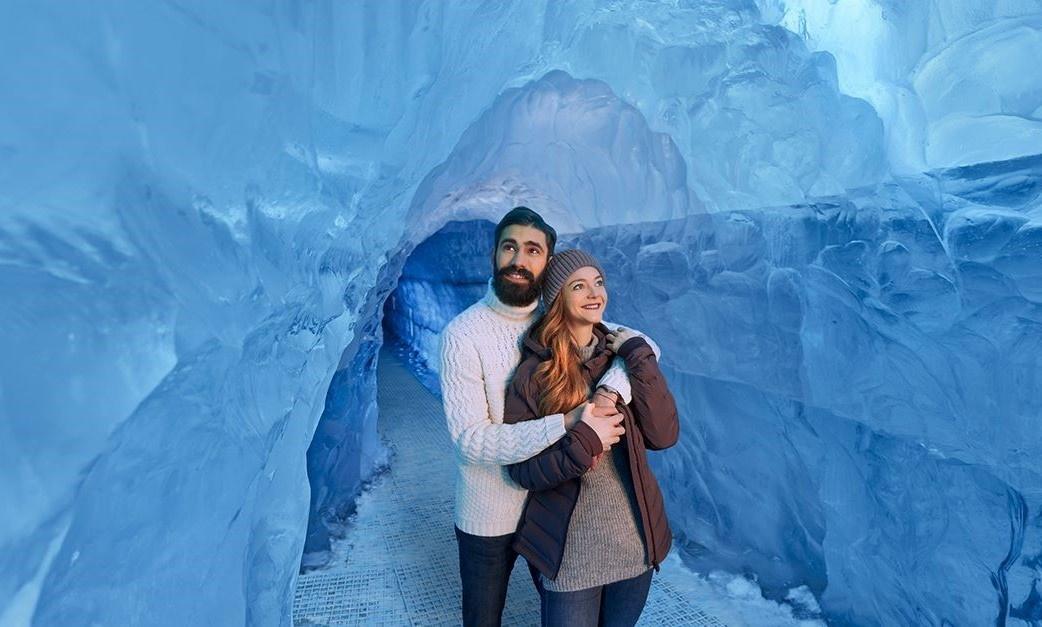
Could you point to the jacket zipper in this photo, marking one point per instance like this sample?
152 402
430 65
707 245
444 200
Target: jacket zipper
652 550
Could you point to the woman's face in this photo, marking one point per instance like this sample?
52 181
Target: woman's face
585 296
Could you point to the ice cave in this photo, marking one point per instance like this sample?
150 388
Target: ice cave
216 218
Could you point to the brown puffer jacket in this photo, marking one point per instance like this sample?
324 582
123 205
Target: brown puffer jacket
553 476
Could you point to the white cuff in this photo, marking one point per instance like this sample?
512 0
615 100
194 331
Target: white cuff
617 379
554 428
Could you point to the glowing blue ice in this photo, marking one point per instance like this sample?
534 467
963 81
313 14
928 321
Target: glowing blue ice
827 213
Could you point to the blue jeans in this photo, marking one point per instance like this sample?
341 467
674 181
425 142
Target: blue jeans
485 564
617 604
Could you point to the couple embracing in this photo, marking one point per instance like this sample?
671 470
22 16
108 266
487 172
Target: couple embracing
552 412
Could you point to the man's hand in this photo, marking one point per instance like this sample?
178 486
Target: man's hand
606 425
597 407
618 337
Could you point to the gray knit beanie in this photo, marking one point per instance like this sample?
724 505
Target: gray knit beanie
560 267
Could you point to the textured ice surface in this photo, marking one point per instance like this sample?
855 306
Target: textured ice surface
859 385
444 275
204 207
846 423
571 147
954 82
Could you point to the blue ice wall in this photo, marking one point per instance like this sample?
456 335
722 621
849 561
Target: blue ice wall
203 208
843 370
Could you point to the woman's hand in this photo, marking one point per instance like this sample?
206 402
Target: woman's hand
618 337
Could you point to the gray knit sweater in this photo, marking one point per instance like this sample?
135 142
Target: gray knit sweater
604 542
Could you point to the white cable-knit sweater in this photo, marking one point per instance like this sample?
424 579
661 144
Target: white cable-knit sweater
480 349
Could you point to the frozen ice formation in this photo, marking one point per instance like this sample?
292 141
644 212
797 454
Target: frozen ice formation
858 382
955 83
826 213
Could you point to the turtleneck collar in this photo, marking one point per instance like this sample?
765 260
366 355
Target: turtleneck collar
515 313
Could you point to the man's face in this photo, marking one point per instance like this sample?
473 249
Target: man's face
520 259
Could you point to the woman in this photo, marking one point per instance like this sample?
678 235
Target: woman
594 524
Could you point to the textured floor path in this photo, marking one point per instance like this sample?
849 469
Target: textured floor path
398 565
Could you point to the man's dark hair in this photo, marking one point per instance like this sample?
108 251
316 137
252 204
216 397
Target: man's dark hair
523 216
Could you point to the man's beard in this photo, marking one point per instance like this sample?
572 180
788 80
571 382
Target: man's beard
516 294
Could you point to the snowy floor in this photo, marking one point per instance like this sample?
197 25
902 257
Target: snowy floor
398 563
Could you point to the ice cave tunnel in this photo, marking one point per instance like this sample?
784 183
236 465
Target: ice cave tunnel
215 219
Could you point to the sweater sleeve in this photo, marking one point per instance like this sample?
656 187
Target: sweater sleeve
477 439
616 377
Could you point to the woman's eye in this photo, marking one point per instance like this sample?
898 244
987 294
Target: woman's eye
600 283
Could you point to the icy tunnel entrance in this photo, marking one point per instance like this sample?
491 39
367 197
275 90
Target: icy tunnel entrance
440 277
444 275
570 147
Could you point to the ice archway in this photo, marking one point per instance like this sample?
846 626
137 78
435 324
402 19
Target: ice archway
570 147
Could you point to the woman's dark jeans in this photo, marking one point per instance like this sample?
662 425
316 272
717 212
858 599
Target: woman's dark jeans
485 564
617 604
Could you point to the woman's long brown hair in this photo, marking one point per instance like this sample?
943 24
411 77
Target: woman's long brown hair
559 377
